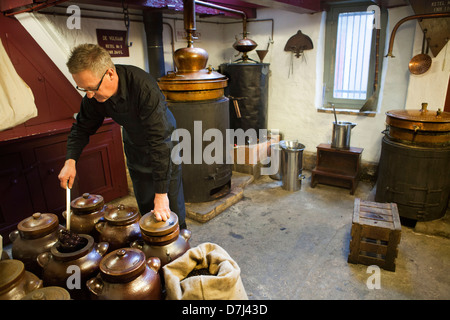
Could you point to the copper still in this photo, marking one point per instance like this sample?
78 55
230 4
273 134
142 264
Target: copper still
413 169
195 95
192 81
243 45
422 127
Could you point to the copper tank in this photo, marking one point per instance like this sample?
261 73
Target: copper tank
192 80
421 127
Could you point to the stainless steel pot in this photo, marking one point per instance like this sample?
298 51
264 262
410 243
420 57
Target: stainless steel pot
291 165
341 134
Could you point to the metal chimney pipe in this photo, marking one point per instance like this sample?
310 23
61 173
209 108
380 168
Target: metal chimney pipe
215 6
153 25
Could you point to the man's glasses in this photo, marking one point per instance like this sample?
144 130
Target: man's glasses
96 89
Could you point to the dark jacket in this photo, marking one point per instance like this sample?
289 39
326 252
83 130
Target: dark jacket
147 124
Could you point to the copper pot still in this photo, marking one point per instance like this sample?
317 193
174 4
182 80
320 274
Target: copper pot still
87 210
420 127
162 239
15 281
59 265
119 226
125 274
245 45
34 235
192 80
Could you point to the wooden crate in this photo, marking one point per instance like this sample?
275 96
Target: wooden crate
376 232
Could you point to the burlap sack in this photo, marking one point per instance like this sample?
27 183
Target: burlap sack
224 283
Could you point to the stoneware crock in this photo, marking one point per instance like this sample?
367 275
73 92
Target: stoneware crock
87 210
120 226
15 281
34 235
125 274
162 239
71 270
48 293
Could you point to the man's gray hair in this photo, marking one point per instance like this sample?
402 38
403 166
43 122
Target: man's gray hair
89 57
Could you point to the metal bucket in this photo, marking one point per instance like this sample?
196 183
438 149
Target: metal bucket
275 154
341 134
291 165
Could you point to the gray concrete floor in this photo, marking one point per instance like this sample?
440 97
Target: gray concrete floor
294 245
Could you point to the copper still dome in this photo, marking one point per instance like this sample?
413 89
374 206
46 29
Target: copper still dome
192 80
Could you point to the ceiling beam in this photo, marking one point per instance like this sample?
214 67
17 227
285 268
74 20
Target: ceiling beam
175 6
297 6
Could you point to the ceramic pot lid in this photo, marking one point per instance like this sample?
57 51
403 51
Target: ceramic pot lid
48 293
152 227
10 270
87 203
122 265
120 214
162 240
38 225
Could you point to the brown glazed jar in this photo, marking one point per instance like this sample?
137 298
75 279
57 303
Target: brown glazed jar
15 281
71 270
48 293
87 210
125 274
120 226
162 239
34 235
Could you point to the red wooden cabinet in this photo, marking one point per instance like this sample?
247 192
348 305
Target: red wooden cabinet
33 153
29 169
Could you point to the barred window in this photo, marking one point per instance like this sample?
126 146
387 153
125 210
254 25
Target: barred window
350 53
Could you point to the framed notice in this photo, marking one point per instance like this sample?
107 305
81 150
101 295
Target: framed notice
115 41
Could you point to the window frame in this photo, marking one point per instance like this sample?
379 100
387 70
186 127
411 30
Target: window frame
330 55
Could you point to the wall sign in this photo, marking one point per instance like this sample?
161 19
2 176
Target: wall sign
115 41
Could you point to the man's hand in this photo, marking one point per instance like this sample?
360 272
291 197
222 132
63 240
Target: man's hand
161 210
67 174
